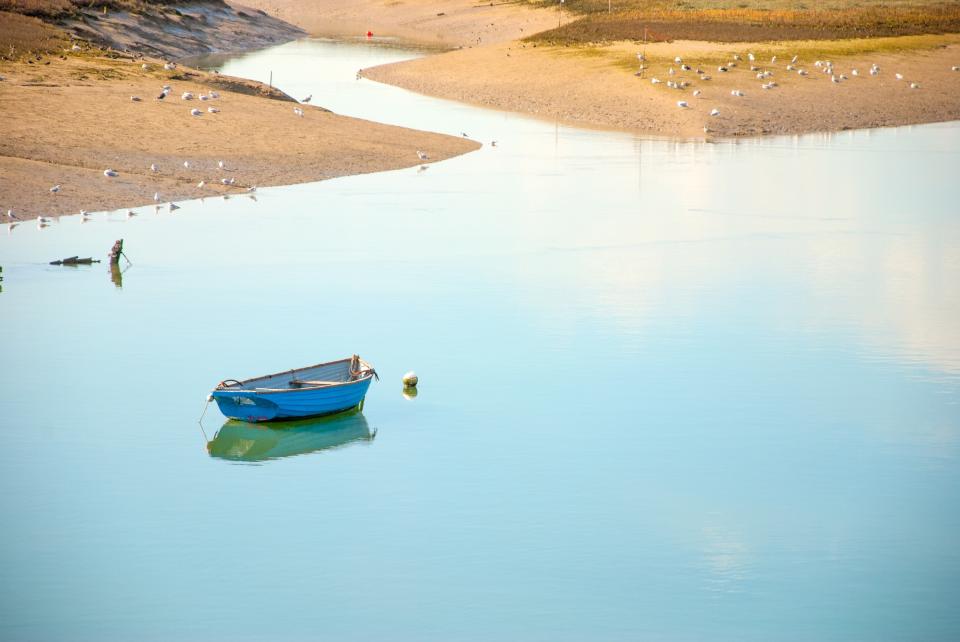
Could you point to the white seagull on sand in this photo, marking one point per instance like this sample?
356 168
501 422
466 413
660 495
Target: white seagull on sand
55 189
154 168
195 112
213 110
186 96
422 156
714 112
110 173
682 104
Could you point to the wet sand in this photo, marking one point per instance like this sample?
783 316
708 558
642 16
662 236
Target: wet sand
68 121
598 86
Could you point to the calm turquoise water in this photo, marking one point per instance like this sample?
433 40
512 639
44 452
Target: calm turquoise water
669 391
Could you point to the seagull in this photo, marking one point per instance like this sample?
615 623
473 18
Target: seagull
75 48
154 168
169 66
131 213
696 92
835 79
854 72
654 81
899 76
670 71
221 165
110 173
298 112
252 188
84 216
213 95
685 67
135 99
156 197
678 60
721 68
493 143
736 92
186 96
750 57
464 134
795 59
163 94
173 206
714 112
422 156
682 104
213 110
12 215
195 112
790 67
144 66
201 184
307 99
874 71
203 97
773 59
955 68
227 181
43 220
186 164
914 85
55 189
802 72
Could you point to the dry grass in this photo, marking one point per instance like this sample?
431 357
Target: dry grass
25 35
769 20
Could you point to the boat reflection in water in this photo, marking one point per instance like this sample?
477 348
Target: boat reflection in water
242 441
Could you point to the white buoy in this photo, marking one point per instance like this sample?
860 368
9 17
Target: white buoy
410 379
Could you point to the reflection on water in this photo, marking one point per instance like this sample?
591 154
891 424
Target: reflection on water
242 441
116 274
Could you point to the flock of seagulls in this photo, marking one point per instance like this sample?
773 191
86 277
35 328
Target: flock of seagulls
14 219
761 73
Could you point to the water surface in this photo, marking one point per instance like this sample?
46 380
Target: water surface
671 391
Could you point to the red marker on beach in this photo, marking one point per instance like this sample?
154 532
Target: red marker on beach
369 34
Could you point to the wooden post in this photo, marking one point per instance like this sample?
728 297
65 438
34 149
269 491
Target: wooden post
115 252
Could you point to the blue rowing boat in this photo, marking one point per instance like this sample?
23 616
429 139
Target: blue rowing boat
317 390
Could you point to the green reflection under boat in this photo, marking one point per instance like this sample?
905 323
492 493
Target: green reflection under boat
242 441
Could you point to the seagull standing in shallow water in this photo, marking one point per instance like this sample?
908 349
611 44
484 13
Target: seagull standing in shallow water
422 156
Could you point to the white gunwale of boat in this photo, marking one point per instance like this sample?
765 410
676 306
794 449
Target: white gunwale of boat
366 372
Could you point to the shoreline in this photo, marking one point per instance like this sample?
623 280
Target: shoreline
69 115
599 87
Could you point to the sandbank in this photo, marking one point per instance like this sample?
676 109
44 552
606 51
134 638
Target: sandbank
68 116
599 85
440 23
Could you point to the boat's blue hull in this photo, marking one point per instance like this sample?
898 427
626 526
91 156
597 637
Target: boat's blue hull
250 405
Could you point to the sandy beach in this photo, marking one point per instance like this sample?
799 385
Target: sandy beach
68 116
599 86
440 23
